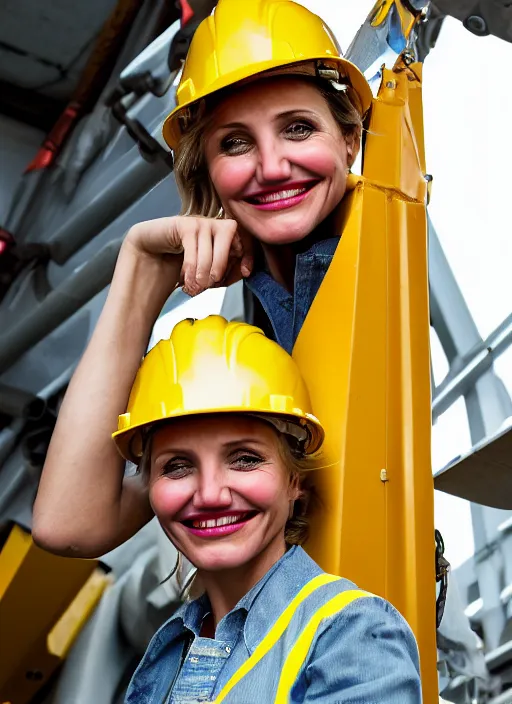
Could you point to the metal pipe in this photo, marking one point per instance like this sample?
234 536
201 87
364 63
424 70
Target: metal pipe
59 305
474 367
128 185
18 403
9 438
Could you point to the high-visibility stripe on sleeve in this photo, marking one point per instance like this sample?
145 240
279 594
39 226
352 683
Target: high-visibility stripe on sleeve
275 632
299 652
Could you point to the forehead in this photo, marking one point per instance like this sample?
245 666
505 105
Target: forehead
270 95
212 430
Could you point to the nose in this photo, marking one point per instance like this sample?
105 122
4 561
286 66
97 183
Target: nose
212 490
273 163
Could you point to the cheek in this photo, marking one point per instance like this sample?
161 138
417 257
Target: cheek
167 497
230 175
325 157
263 490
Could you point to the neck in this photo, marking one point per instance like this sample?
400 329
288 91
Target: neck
280 259
226 588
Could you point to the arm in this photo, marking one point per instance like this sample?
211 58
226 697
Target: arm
85 506
366 654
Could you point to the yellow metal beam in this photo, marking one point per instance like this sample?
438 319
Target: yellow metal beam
364 351
44 602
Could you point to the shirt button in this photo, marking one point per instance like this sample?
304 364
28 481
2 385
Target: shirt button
213 678
228 649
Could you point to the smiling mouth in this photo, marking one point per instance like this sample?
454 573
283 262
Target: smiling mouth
220 521
283 195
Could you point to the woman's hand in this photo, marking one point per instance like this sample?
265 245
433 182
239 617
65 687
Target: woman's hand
214 252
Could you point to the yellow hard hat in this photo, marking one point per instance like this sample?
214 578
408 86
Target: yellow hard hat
216 366
243 38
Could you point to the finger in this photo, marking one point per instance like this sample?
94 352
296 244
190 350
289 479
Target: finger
236 249
233 273
204 255
223 234
247 262
189 240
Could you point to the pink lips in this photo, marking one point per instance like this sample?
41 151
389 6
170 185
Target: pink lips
218 531
285 202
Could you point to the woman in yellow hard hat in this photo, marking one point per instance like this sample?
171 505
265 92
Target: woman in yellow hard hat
267 124
219 421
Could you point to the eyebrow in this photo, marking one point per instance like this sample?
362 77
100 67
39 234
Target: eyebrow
241 441
279 116
190 451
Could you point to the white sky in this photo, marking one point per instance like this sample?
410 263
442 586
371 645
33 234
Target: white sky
468 111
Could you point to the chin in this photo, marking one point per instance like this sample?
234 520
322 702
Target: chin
218 558
280 234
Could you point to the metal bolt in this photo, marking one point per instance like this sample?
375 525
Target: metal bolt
477 25
407 57
428 178
391 84
384 475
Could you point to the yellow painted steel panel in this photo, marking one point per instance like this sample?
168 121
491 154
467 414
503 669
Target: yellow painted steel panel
38 599
364 351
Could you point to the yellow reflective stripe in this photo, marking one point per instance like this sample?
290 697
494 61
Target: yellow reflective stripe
275 632
298 653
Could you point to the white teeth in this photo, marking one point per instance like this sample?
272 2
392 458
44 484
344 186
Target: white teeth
279 195
216 522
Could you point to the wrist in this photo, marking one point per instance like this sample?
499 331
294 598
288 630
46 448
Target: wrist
144 279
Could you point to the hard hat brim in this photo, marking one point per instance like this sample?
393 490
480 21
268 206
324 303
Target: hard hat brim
129 442
171 131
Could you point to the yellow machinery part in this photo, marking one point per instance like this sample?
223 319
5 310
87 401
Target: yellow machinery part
364 352
45 601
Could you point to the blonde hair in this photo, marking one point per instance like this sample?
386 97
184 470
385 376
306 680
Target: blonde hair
198 196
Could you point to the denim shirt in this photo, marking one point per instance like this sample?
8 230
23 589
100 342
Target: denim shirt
366 654
287 311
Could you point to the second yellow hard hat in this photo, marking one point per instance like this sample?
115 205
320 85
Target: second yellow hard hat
215 366
243 38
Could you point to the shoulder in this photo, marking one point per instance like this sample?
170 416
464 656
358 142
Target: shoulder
371 640
350 616
346 604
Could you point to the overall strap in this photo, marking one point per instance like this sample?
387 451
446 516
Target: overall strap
275 632
299 652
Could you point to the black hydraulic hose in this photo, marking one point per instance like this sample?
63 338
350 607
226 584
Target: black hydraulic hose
59 305
18 403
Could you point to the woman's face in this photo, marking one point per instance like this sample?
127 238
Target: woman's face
220 490
277 158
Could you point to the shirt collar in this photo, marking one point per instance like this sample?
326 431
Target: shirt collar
271 595
259 608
